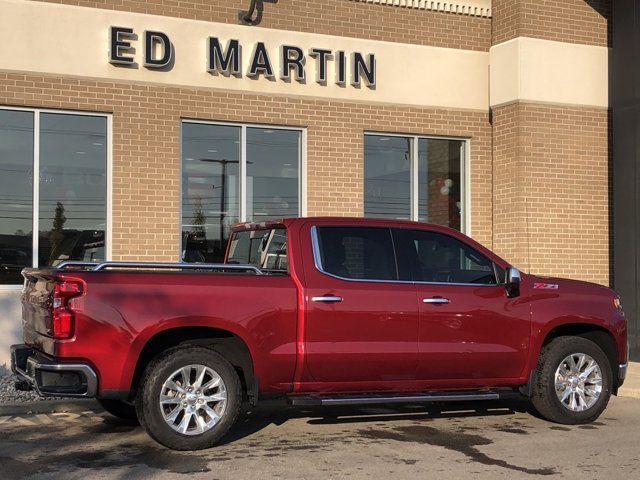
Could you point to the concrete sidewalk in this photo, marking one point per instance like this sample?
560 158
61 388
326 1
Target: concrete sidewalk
631 387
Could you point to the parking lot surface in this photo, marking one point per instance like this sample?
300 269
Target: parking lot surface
480 440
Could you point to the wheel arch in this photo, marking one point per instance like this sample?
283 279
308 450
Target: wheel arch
598 334
228 344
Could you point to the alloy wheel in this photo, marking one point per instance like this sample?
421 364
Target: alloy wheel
578 382
193 399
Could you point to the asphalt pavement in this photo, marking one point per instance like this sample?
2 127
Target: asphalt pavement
480 440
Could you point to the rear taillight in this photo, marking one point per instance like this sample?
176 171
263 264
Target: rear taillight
62 323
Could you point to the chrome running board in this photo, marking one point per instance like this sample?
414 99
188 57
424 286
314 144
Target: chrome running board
326 400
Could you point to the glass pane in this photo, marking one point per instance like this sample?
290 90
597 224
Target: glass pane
387 177
440 182
439 258
16 187
273 157
210 202
265 249
73 188
358 252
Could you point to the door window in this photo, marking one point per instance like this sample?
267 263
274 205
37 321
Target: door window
357 253
438 258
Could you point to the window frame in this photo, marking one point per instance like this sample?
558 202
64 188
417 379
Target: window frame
317 259
465 173
242 167
35 192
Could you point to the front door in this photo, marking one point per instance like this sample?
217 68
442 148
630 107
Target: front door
469 329
361 326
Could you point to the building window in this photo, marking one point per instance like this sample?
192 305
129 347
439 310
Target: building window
415 178
233 173
59 160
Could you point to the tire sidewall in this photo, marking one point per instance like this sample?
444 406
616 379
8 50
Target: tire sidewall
148 406
557 352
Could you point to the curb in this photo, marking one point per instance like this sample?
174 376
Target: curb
629 392
49 406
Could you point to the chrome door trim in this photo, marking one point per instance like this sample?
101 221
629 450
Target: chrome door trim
327 299
437 301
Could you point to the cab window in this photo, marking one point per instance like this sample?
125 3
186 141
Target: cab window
438 258
265 249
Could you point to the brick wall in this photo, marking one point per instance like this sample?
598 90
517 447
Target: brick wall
146 148
574 21
329 17
552 207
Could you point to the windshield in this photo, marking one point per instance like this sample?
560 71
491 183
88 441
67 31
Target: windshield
265 249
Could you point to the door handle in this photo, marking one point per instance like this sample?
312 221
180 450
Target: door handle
327 299
436 300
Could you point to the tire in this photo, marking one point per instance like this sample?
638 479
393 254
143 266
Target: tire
119 408
191 419
583 403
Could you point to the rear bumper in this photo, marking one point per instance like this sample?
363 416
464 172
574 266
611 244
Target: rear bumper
52 378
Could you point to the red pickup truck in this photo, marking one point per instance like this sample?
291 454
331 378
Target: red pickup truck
318 311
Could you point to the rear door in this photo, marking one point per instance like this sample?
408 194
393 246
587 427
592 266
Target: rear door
361 324
469 329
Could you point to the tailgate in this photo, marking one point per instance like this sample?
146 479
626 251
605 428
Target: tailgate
37 301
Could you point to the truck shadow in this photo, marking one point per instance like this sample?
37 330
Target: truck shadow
255 420
52 444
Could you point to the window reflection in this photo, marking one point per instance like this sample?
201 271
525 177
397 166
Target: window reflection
440 179
388 170
16 192
211 156
73 187
210 201
272 173
387 176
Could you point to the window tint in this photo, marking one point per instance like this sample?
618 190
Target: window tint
273 156
212 196
210 205
16 187
357 253
73 188
435 257
265 249
387 177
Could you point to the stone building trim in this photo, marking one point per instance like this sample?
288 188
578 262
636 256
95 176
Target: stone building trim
476 8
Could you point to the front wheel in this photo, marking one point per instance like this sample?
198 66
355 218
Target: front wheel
190 398
574 381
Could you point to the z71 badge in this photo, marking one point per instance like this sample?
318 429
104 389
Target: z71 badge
545 286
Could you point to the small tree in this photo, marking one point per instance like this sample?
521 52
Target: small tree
56 236
199 219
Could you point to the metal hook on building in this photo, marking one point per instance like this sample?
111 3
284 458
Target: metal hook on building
247 17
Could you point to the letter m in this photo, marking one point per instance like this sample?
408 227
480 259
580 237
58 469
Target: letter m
226 61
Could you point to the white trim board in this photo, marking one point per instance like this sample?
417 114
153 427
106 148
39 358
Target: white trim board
543 71
406 74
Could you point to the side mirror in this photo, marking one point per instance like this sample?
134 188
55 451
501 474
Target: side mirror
512 283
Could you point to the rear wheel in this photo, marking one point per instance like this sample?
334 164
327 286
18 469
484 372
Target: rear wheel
119 408
189 399
574 381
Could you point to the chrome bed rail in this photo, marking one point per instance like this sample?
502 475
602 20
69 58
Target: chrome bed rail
97 266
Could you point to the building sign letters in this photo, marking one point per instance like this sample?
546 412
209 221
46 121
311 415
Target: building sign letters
226 58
